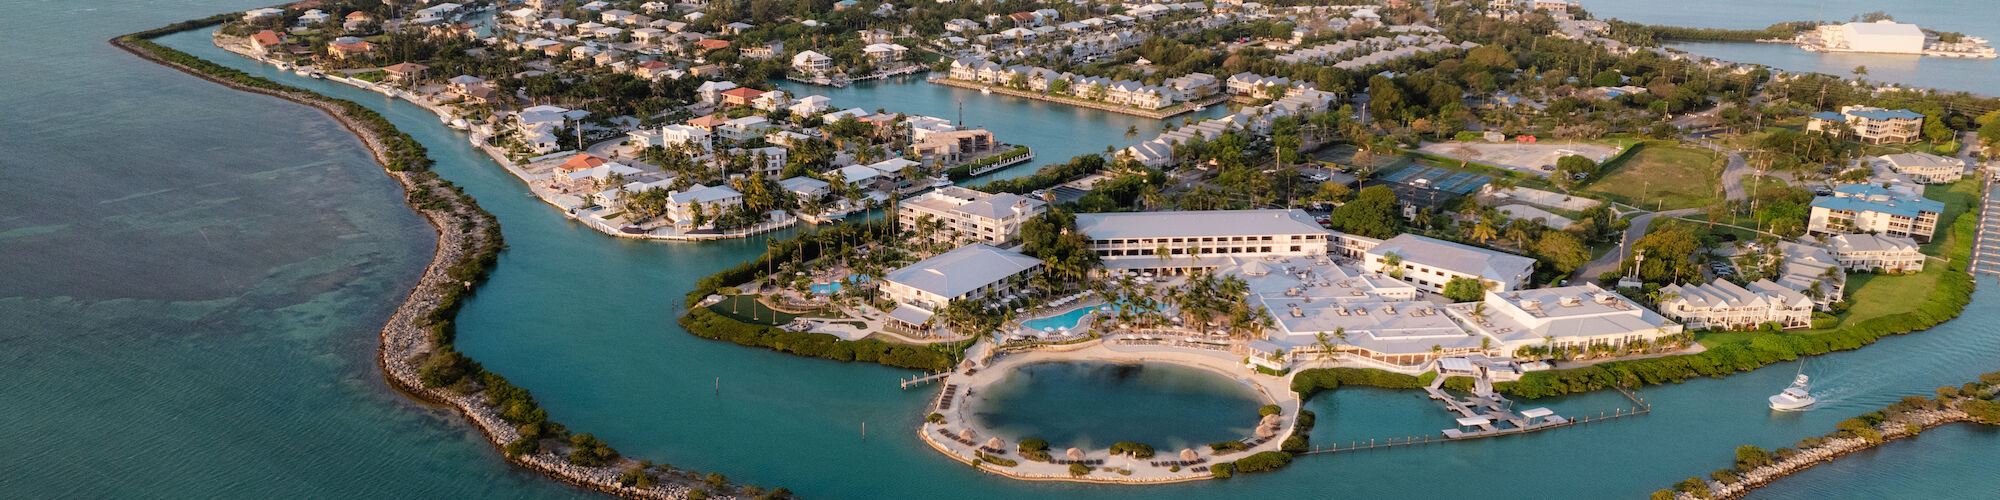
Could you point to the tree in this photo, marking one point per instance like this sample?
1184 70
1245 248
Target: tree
1462 289
1861 70
1562 251
1483 231
1751 457
1373 213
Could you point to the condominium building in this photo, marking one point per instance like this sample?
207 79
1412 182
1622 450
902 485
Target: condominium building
1873 125
1184 241
1873 252
1922 167
1430 263
1865 208
969 216
1725 305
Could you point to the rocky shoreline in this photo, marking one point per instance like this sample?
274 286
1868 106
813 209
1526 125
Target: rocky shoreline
406 340
1831 450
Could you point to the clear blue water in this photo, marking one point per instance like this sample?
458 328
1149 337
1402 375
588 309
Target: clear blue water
829 288
1094 404
1068 319
1972 18
195 277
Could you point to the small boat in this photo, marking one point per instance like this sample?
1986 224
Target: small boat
986 90
941 183
1794 397
302 72
284 66
317 75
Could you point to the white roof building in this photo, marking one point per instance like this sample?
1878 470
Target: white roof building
1430 263
968 272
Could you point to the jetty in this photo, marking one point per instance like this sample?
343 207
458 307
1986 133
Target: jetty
924 379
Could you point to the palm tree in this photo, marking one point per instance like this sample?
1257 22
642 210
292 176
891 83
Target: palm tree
1483 231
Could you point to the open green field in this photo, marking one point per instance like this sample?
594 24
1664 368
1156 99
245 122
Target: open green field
1663 175
747 309
1959 198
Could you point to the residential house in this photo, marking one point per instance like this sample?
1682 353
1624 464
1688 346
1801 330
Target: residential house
710 200
740 96
267 41
405 72
1924 168
1871 125
812 62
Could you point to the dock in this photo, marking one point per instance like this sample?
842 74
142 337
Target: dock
1986 245
1487 414
923 379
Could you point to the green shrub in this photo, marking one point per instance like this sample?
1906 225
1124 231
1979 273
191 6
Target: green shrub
1136 449
1263 461
1223 470
1230 446
1078 469
1268 410
1310 382
709 325
1294 444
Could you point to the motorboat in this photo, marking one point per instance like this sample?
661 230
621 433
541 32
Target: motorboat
986 90
941 183
1795 397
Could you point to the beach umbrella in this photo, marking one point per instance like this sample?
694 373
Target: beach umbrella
1188 454
1271 420
1264 432
1075 454
995 443
967 434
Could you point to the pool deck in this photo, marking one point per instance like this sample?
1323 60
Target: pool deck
961 390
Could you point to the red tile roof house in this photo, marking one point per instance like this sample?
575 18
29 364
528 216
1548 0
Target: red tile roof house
405 72
345 50
707 123
585 161
740 96
712 44
267 40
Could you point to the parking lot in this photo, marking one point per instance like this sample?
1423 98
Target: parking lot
1536 158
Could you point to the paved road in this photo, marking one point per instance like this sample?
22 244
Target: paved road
1610 260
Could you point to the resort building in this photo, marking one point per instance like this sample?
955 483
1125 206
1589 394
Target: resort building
1864 208
1872 125
1430 263
1924 168
1877 253
966 273
969 216
1725 305
1580 317
1813 271
1186 241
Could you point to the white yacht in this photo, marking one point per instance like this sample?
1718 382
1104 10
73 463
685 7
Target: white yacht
1794 397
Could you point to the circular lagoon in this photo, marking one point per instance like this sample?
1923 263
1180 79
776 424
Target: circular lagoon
1092 404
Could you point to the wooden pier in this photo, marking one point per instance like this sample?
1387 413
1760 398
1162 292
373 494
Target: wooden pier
1986 245
923 379
1483 410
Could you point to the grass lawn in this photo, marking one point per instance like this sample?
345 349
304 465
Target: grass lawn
1959 198
747 309
1663 175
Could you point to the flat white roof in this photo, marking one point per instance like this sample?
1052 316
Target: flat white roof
1465 259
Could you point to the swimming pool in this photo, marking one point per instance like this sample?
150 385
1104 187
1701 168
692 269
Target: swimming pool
829 288
1068 319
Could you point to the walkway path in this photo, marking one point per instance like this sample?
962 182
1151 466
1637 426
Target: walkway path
1610 260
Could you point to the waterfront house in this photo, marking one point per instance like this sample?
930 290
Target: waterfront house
771 101
768 160
968 216
1725 305
1871 125
952 147
711 200
405 72
1867 208
1430 263
711 44
347 46
969 272
812 62
267 41
884 53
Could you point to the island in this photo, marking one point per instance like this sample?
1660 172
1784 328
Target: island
1540 204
